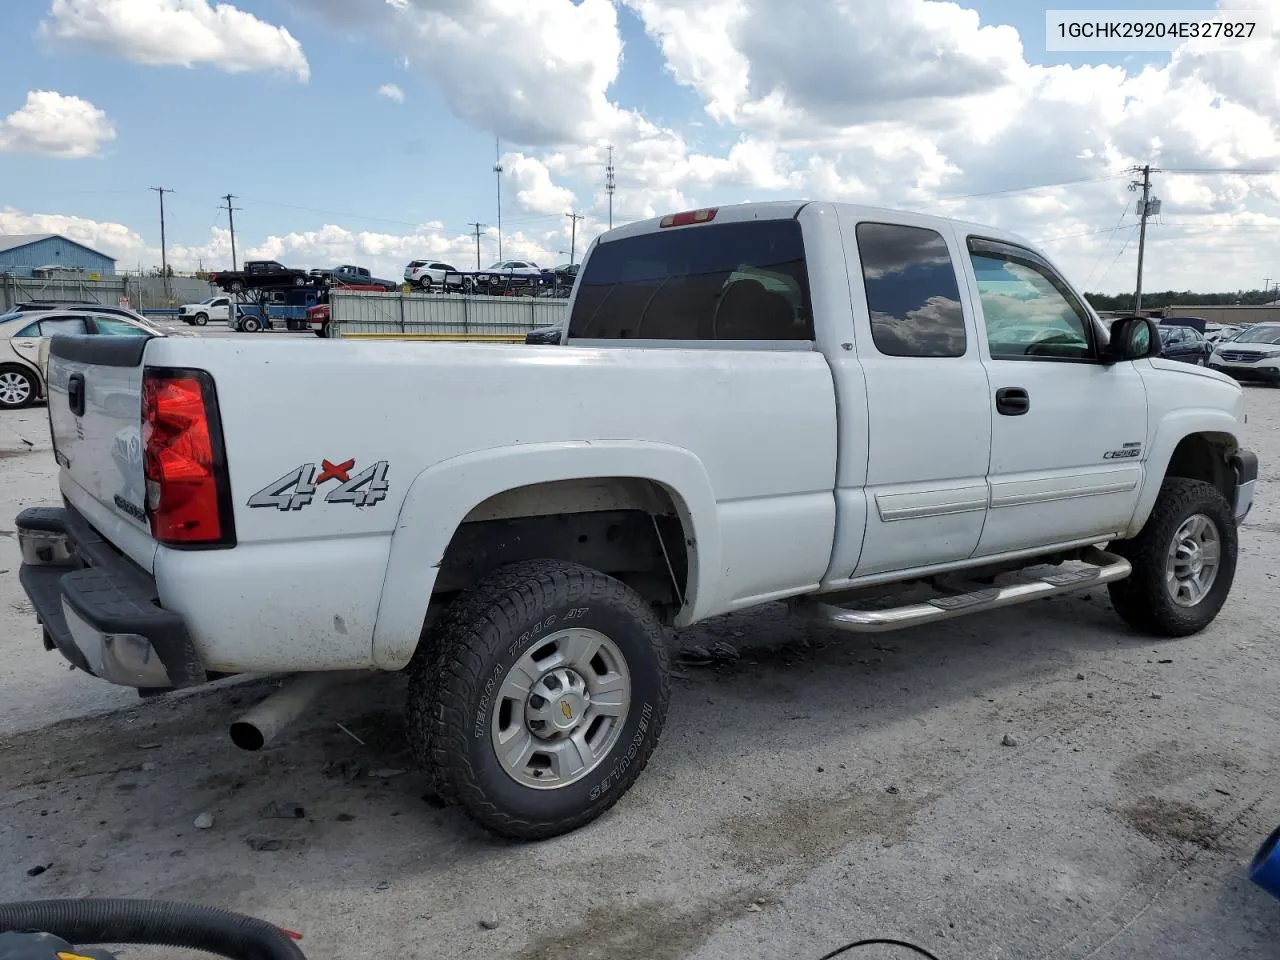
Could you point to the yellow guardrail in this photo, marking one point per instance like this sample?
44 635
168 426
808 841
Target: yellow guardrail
448 337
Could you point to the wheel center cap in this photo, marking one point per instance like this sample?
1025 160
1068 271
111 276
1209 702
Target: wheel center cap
566 713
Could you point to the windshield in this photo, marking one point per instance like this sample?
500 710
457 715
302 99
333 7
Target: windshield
1269 333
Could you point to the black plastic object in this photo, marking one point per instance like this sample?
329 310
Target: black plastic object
158 922
1012 401
75 393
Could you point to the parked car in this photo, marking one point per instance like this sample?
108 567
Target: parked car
1253 354
349 274
509 271
433 275
24 346
1184 343
260 275
524 558
1218 332
211 308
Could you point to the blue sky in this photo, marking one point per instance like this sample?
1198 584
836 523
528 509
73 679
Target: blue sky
324 167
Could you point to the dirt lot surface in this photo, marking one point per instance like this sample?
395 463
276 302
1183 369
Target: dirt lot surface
817 790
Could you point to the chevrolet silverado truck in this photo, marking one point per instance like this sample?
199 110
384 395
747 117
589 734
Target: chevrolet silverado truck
882 420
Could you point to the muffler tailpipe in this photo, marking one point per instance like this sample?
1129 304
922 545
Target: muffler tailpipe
259 726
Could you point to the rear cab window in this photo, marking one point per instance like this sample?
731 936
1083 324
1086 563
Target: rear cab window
737 281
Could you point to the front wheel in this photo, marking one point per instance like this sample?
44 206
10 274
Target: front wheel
541 698
250 324
201 319
1184 561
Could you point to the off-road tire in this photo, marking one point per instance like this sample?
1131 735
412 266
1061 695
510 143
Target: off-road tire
477 639
1142 599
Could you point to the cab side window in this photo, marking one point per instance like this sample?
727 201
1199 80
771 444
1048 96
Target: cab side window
52 326
912 292
1029 311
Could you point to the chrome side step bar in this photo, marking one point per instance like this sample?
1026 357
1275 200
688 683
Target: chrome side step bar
1103 568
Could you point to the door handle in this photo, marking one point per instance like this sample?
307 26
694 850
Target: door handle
75 393
1012 401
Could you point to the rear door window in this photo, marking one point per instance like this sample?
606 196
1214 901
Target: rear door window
913 295
720 281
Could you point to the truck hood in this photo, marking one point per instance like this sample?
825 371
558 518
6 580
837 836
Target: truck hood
1177 366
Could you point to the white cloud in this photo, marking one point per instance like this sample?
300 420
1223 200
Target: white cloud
549 85
392 92
177 32
55 125
114 239
535 192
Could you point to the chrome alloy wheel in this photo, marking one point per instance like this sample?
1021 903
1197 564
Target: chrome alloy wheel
561 709
15 388
1193 560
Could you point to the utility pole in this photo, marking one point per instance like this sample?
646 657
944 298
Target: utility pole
164 259
231 222
610 185
573 232
1149 207
497 169
479 227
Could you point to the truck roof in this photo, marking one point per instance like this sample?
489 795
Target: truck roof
786 209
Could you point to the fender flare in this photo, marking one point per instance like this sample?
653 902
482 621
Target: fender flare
444 493
1169 432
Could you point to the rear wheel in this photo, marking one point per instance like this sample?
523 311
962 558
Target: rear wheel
1184 561
425 284
18 388
541 698
236 286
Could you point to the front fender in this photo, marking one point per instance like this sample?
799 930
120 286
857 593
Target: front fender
1171 430
443 494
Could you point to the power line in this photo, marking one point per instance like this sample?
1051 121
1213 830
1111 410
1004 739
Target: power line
479 227
1038 186
231 222
1123 248
1124 211
164 260
1240 171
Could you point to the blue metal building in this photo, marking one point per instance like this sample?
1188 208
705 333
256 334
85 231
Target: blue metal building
24 253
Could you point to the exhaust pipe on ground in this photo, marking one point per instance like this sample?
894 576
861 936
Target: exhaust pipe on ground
259 726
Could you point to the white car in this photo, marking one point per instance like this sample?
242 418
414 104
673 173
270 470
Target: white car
520 270
908 401
24 346
431 274
1253 354
211 308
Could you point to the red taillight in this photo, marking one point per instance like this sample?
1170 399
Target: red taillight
705 215
182 460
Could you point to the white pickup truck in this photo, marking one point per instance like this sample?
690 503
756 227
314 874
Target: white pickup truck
834 406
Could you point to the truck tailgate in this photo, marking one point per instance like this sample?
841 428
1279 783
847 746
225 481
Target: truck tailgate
95 416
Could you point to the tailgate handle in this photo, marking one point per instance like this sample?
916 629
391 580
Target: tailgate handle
75 393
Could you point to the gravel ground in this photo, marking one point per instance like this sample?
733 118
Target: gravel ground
819 790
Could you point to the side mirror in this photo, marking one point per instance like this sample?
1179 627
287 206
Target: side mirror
1132 338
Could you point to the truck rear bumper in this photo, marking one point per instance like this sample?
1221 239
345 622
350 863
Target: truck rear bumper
98 609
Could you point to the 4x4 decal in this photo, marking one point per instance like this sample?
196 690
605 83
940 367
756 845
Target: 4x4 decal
297 488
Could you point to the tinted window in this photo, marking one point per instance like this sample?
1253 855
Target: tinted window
1029 311
52 326
118 328
729 281
912 291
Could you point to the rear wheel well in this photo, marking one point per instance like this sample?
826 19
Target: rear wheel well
1205 456
625 527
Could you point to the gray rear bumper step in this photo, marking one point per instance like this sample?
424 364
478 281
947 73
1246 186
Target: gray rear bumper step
1103 568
